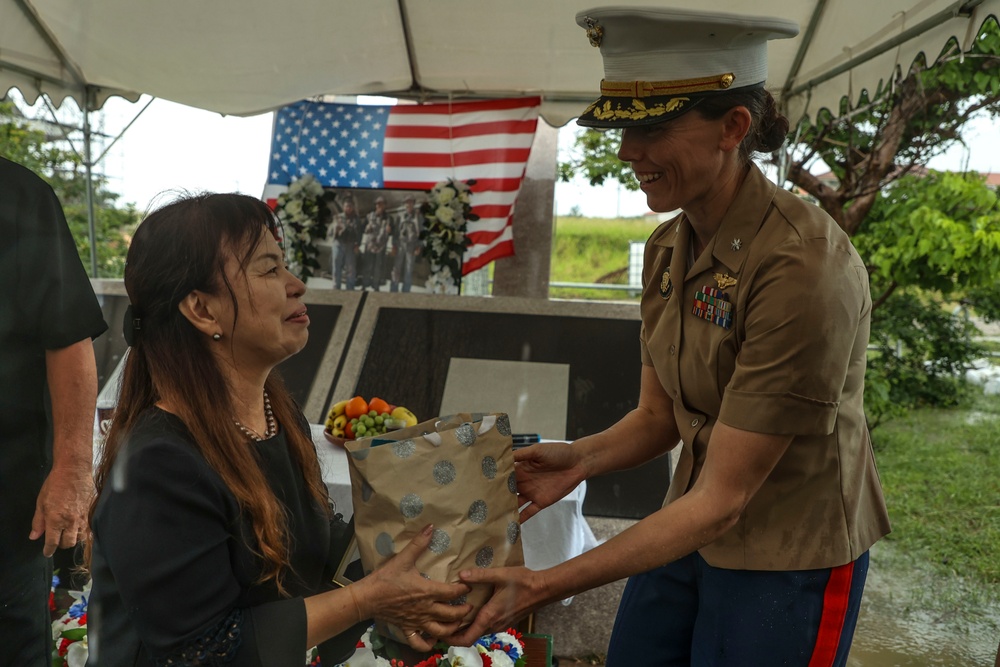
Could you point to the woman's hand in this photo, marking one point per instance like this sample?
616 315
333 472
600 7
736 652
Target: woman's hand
516 591
397 593
546 472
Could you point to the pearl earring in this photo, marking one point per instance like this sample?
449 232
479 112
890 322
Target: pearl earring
216 336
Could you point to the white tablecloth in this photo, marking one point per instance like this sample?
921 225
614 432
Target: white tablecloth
552 536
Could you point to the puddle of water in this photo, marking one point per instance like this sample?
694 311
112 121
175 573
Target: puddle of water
910 618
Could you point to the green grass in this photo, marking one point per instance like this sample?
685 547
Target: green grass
586 250
940 471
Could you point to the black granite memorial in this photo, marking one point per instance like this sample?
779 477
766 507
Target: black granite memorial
407 359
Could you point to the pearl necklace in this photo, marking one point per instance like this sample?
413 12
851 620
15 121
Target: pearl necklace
272 425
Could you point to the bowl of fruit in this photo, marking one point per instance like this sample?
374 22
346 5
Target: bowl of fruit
357 418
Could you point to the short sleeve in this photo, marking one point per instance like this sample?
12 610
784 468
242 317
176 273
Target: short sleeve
57 303
801 320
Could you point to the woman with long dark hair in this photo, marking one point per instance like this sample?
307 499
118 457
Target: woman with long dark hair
213 538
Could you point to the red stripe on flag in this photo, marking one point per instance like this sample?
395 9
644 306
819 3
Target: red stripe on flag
505 249
426 141
465 107
492 210
485 237
482 184
460 131
463 159
831 623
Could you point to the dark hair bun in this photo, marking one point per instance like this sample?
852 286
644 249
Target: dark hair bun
772 128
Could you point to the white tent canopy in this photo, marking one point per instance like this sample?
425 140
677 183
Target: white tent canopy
247 56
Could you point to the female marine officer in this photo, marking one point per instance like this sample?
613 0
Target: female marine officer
755 320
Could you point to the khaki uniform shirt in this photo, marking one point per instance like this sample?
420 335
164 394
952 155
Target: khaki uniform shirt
782 351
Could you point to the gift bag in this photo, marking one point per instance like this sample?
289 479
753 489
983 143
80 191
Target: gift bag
455 472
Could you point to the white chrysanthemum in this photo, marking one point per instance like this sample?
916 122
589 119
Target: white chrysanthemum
295 187
500 659
445 214
446 195
508 639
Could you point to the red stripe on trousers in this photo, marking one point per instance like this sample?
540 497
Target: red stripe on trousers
831 623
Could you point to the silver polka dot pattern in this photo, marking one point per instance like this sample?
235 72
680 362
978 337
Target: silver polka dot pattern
466 434
440 541
411 505
404 448
485 557
444 472
513 531
489 467
512 483
366 491
461 599
385 546
503 425
478 511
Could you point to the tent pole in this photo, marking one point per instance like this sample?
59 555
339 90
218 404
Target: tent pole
88 165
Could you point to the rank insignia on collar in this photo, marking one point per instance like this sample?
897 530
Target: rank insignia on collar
666 287
736 244
724 280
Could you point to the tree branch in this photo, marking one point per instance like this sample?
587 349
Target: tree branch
885 295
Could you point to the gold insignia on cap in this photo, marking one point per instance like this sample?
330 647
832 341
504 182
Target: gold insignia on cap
724 280
637 110
595 33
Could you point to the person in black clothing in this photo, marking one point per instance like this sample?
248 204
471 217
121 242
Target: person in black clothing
212 530
48 390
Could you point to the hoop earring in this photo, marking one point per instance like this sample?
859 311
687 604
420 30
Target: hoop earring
216 336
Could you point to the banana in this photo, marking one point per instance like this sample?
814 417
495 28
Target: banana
336 411
340 422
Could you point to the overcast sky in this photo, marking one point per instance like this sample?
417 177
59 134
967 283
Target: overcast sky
173 148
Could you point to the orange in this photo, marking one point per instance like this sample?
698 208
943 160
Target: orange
356 407
379 406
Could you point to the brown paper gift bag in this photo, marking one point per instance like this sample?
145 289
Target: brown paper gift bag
456 472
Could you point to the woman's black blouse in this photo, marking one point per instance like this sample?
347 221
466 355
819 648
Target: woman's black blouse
174 580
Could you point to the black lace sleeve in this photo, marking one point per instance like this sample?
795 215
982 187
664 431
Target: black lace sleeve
218 645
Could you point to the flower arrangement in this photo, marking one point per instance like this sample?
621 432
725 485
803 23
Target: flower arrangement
500 649
447 212
305 217
69 631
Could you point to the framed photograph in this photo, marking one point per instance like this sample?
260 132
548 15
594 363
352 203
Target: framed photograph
373 242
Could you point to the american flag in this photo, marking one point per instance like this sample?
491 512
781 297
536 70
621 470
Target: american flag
413 147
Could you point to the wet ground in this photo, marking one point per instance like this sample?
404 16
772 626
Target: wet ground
910 617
